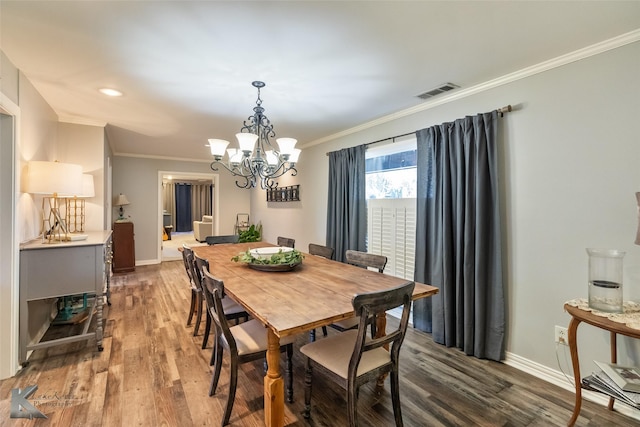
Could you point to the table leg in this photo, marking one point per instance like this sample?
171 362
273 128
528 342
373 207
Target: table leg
381 330
573 347
614 359
273 384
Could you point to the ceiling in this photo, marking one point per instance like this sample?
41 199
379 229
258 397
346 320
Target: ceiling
186 68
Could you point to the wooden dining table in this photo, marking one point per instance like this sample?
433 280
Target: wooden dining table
316 293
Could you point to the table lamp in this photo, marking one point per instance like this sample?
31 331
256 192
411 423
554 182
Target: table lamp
121 200
76 205
53 180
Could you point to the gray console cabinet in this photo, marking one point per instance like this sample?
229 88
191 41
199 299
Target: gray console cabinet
49 271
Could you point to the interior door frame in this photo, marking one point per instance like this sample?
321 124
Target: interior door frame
215 208
9 304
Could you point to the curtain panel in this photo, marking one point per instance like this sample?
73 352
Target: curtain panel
458 236
346 205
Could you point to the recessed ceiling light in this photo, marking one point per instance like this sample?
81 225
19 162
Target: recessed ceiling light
110 92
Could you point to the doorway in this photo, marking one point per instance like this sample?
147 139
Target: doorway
169 240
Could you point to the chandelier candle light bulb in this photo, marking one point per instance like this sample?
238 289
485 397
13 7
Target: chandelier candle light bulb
256 159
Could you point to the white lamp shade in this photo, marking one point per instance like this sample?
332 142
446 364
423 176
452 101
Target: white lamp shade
286 145
121 200
235 155
293 157
272 158
88 189
218 146
246 141
54 178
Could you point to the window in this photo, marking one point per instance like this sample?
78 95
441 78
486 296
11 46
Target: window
391 205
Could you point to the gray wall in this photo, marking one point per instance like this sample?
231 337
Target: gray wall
570 171
137 178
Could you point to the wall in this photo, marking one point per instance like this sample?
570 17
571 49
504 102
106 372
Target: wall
137 178
84 145
570 171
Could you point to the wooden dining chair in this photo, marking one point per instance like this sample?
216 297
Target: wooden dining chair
351 359
245 342
195 307
228 238
286 242
233 310
323 251
364 260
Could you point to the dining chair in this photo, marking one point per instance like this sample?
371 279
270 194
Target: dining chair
196 293
323 251
233 310
228 238
286 242
364 260
245 342
351 359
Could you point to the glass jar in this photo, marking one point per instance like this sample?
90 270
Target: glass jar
605 279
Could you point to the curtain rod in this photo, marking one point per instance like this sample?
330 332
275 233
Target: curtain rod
501 111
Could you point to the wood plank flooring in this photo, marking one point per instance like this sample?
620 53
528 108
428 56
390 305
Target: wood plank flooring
153 372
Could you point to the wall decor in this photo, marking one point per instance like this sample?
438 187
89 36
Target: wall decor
284 194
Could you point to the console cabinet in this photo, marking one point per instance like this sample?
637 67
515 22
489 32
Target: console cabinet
124 252
49 271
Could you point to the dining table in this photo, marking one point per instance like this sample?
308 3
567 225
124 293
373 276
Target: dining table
289 301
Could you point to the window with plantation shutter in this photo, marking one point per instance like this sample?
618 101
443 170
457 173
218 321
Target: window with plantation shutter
391 232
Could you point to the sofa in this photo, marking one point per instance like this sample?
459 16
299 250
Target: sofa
204 228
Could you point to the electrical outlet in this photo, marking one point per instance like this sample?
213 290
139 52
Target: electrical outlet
561 335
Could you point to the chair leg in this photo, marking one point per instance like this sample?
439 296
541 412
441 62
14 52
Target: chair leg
198 314
289 373
217 357
233 382
192 307
395 398
352 405
324 330
207 329
312 335
308 372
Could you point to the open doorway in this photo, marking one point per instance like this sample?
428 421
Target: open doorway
174 234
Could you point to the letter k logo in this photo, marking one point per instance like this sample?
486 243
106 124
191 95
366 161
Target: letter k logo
20 406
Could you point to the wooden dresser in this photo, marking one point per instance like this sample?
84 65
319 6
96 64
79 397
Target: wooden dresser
124 251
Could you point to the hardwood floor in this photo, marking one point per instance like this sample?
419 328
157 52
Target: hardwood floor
153 372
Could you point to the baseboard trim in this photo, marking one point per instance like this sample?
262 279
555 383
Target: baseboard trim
557 378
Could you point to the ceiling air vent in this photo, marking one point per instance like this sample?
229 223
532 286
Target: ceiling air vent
437 91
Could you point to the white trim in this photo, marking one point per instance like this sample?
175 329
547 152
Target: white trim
14 277
559 379
595 49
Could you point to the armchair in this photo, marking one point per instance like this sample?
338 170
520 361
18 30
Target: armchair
204 228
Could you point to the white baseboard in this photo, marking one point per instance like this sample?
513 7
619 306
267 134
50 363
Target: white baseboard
558 378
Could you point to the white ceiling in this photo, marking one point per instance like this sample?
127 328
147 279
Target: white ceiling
186 67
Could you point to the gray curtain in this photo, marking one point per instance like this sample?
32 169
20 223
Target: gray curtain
169 201
201 195
346 207
458 236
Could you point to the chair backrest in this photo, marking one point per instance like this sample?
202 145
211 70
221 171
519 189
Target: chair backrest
286 242
213 290
198 264
323 251
367 305
365 260
186 252
229 238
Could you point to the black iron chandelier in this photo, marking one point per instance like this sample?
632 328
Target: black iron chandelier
260 162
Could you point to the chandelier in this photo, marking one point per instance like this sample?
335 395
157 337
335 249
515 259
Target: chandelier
256 162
